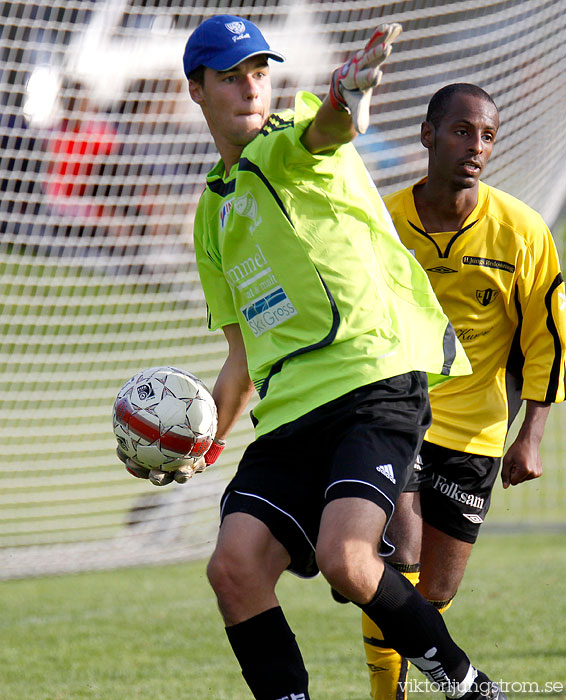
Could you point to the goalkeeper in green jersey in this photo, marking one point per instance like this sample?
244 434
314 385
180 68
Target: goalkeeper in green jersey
494 267
324 312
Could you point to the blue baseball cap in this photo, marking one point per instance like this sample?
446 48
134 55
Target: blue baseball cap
223 41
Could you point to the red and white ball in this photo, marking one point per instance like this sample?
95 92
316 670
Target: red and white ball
162 416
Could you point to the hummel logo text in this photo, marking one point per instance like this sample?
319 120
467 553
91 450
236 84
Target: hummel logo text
387 470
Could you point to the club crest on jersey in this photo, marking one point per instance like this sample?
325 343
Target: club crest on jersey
226 207
247 206
486 296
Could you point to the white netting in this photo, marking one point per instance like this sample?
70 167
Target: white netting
102 163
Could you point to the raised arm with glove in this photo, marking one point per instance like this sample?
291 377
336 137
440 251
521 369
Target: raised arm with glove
352 84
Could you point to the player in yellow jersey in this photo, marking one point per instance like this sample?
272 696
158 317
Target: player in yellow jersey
494 267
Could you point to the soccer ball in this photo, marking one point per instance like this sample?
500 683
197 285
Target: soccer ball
162 416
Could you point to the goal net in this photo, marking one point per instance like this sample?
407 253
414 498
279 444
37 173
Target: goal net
102 163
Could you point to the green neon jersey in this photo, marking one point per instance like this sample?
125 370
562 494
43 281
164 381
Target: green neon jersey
300 251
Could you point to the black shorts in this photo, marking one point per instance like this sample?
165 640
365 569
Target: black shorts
362 444
455 489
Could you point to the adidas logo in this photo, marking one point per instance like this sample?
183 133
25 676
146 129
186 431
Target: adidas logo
387 470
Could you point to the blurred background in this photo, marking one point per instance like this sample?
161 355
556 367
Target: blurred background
102 162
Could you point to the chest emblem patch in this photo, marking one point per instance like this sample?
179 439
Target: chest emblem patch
247 206
486 296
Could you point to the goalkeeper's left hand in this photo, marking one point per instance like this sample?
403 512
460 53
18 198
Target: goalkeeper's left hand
352 84
182 474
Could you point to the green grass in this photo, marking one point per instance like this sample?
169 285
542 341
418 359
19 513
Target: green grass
155 634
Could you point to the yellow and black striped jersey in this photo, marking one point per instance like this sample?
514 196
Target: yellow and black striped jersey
498 279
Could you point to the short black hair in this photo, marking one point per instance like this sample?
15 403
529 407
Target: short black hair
440 101
197 75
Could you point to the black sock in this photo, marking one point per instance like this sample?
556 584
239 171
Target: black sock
269 656
415 629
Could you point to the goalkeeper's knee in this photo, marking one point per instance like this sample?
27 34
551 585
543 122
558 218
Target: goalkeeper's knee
388 670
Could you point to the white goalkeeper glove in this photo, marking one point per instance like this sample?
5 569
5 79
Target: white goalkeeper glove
182 474
352 84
